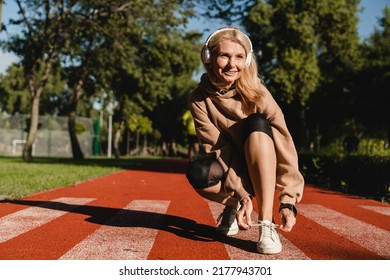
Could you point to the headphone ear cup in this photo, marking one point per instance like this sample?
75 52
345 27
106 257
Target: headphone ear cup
248 60
205 55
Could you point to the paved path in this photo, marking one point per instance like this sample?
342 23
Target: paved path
155 215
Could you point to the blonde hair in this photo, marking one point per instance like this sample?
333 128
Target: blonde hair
249 85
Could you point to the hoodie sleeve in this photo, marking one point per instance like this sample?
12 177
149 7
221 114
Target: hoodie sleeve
289 180
215 142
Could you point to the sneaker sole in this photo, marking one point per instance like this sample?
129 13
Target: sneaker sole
228 233
269 251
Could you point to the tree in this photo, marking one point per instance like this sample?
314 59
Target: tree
15 97
83 35
136 33
288 54
42 34
168 60
308 49
373 81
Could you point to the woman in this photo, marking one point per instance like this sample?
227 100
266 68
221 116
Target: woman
243 132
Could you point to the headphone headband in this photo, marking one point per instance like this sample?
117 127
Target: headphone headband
206 53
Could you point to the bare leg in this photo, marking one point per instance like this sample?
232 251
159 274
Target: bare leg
218 194
261 160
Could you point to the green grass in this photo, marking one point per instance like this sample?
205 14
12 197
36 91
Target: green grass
19 178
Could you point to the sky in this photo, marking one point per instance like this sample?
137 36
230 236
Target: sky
368 19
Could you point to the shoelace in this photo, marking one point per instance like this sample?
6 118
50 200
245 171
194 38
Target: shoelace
266 233
260 224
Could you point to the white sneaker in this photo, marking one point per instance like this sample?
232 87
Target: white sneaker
228 222
269 242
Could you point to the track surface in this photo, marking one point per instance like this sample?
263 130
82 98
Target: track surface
154 214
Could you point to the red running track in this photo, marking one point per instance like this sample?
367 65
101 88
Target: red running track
154 214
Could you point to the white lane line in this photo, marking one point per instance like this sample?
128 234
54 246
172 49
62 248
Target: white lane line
368 236
128 235
378 209
30 218
243 245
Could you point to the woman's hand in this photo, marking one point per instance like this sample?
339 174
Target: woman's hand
244 214
288 219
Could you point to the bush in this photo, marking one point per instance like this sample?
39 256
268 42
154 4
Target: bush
356 174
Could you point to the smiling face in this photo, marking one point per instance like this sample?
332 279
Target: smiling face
228 63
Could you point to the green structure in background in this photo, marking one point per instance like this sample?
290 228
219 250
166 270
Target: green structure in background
96 142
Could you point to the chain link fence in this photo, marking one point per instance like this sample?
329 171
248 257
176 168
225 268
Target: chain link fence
52 137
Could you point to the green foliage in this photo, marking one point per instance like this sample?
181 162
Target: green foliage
363 172
136 49
15 97
378 44
296 75
356 174
288 43
373 81
139 123
373 147
158 90
80 128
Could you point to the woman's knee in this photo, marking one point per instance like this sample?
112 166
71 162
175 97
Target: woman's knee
256 122
204 172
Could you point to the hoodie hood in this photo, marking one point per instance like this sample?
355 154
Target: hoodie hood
207 86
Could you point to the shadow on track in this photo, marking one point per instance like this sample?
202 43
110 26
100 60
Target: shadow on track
115 217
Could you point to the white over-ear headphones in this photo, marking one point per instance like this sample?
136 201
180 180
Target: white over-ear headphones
206 53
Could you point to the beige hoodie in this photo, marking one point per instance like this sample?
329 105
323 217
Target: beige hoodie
219 129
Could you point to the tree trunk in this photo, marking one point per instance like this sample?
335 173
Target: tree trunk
33 129
117 139
137 142
144 150
127 141
76 149
35 87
